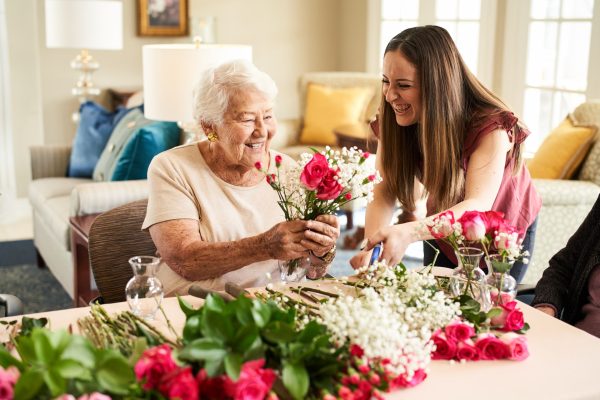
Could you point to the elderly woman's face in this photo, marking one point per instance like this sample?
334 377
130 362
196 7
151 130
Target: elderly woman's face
247 129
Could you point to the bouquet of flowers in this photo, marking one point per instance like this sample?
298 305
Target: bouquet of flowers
321 183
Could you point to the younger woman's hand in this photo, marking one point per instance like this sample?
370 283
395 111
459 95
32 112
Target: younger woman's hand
361 259
395 239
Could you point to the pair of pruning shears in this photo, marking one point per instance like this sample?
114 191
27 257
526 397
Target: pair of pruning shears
376 252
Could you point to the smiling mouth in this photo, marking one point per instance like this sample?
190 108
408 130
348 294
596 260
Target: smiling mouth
401 108
254 146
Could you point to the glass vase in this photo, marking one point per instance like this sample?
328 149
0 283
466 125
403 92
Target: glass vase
144 292
294 270
503 287
468 278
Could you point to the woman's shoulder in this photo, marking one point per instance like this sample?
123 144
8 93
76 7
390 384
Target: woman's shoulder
179 155
493 119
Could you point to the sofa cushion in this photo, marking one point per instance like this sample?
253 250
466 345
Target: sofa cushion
127 126
41 190
142 146
590 171
328 107
562 152
95 126
54 213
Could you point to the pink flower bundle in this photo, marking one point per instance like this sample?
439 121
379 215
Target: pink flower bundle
459 341
157 370
8 379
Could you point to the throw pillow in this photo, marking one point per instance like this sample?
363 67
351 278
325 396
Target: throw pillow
328 107
127 126
95 126
562 151
141 147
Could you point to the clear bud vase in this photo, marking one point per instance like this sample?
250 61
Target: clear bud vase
144 291
503 287
294 270
468 278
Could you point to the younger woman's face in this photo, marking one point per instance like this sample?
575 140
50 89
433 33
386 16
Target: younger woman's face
401 88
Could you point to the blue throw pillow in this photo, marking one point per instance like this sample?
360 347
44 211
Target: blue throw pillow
95 126
141 147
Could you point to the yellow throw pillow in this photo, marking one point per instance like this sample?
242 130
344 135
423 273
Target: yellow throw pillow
328 107
562 151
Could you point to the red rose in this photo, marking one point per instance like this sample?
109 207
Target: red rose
493 220
179 384
356 350
491 348
155 363
277 160
314 172
445 349
459 331
467 351
473 225
210 388
401 381
511 318
517 346
329 188
254 382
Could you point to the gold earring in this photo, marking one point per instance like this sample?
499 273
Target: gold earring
212 136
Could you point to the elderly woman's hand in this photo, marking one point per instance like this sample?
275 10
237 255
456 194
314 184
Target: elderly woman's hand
321 235
284 240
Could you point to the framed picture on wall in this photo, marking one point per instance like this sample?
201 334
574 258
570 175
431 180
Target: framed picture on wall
162 17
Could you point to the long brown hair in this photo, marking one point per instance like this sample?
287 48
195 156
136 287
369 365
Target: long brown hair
452 98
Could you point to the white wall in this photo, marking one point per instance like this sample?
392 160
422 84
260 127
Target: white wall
289 37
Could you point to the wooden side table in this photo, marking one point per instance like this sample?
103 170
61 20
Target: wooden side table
80 232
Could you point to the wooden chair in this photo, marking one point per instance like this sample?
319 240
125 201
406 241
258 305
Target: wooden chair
115 237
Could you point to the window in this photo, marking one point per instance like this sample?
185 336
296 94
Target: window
559 32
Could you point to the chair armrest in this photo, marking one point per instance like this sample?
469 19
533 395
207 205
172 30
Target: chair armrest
49 161
288 133
98 197
566 192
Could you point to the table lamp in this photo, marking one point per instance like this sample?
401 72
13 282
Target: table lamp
172 70
84 25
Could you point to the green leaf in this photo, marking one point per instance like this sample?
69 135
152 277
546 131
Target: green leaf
203 349
69 369
44 352
215 303
187 309
310 331
29 384
28 324
25 349
139 346
56 383
242 311
213 367
245 338
80 350
217 326
114 373
233 365
191 329
279 332
295 379
6 359
261 313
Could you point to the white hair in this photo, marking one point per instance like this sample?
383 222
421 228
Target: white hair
217 84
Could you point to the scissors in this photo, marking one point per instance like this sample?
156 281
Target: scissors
375 253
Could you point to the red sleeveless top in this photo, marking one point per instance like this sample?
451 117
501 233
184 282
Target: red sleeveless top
517 197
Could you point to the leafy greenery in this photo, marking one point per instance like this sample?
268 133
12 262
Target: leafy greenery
221 336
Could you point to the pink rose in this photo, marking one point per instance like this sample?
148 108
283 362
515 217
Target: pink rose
504 297
459 331
254 382
179 384
154 363
314 172
445 349
94 396
441 226
511 318
401 381
8 379
467 351
517 346
329 188
491 348
473 225
493 220
278 160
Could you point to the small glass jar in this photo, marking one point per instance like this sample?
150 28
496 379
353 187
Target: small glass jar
144 292
294 270
468 278
503 287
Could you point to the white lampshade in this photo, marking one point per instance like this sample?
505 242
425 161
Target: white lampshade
84 24
172 71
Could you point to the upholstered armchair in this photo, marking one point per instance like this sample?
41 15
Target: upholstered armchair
566 202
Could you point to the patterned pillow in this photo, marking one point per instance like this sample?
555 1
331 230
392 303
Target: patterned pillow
591 166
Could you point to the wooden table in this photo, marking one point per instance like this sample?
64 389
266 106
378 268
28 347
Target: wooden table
80 232
563 363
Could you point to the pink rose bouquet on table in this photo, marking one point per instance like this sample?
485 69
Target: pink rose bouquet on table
321 183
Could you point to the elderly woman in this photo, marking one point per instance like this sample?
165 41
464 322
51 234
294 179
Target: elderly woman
211 213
